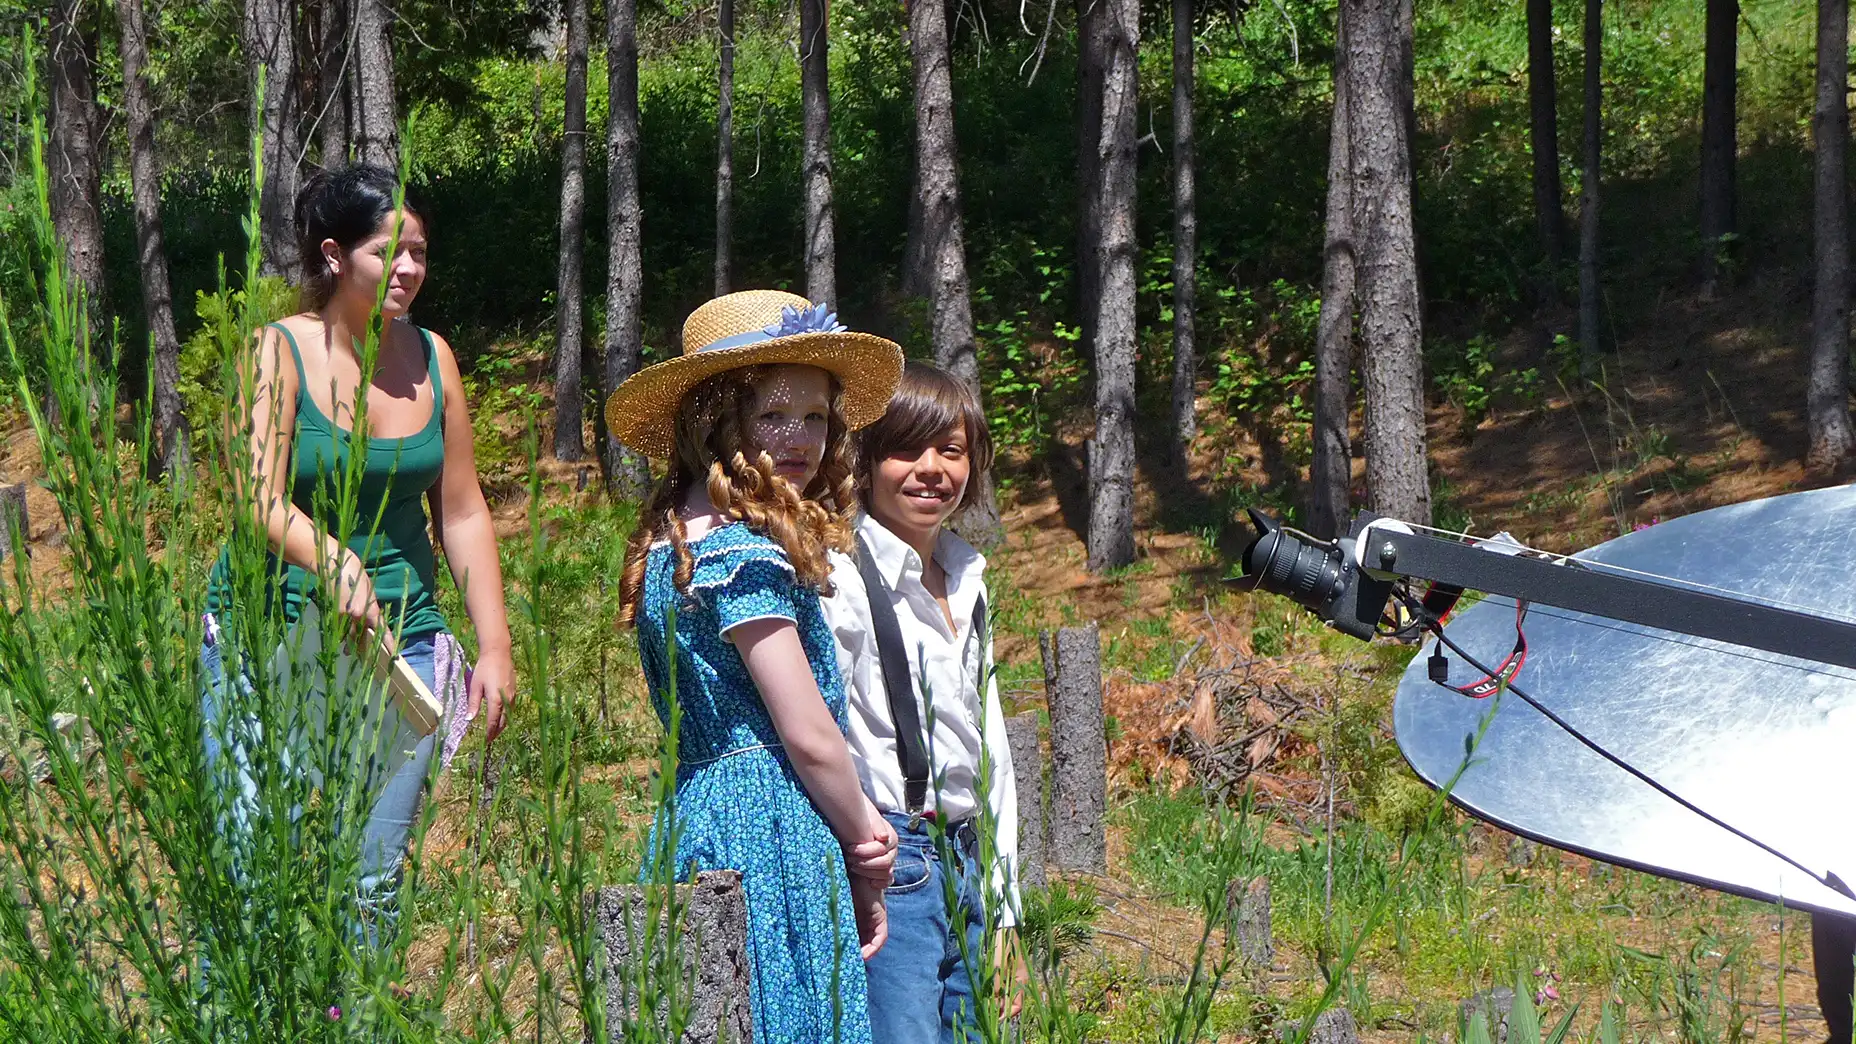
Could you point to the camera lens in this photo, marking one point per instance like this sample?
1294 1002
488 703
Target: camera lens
1289 566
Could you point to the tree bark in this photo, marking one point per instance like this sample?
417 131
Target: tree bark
724 148
916 261
1392 369
375 113
1544 137
1090 58
270 49
1331 474
1719 81
569 346
334 37
626 472
937 191
942 238
1185 242
76 147
1589 342
1829 406
821 250
1111 458
145 186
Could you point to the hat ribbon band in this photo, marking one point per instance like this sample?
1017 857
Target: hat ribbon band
737 340
816 319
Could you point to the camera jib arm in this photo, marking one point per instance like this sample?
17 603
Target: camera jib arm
1348 583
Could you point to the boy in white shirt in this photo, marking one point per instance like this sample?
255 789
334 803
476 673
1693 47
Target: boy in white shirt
911 606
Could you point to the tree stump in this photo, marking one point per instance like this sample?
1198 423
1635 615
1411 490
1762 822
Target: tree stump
1333 1026
1078 753
711 965
1247 909
1522 851
13 517
1494 1005
1021 732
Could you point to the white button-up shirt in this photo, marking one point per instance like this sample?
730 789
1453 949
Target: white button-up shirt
951 660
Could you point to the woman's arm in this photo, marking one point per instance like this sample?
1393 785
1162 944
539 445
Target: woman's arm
461 517
777 662
267 390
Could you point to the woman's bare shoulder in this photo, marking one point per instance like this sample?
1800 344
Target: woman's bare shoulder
301 325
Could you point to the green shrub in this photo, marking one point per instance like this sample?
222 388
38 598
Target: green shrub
203 357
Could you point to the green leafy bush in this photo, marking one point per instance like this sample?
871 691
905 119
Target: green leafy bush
203 357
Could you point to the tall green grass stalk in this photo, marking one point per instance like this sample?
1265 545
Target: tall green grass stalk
152 892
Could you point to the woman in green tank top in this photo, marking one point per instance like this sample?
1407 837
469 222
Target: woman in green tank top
305 377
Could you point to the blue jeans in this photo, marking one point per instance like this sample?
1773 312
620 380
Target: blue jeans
920 984
383 845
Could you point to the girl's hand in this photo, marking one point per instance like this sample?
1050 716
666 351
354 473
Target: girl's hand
492 687
1013 972
872 916
873 859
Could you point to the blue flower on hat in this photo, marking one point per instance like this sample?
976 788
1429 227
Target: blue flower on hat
817 319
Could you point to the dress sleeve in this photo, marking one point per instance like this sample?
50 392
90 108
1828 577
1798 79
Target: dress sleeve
746 583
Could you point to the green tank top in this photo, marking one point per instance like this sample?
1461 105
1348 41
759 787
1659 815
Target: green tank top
397 473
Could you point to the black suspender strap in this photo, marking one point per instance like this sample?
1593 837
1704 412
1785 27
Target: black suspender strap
910 749
979 633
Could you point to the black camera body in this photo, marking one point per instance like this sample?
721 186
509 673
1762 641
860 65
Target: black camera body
1327 579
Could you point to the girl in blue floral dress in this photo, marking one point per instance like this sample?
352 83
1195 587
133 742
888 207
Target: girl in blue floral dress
753 422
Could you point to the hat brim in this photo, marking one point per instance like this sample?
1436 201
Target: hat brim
642 412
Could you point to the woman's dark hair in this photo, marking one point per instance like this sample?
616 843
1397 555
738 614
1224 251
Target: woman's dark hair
346 204
927 403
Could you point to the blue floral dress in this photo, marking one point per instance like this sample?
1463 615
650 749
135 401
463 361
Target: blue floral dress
740 804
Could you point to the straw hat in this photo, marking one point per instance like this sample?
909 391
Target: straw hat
754 328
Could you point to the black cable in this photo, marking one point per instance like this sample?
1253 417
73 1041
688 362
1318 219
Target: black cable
1827 880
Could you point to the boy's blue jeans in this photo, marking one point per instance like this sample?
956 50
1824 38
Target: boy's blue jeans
228 756
920 985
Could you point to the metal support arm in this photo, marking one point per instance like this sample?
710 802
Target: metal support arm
1347 584
1703 614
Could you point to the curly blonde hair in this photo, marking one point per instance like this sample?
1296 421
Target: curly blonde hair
711 440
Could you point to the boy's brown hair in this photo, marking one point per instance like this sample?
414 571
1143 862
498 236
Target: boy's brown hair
928 402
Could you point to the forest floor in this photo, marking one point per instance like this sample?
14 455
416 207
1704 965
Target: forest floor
1211 691
1703 409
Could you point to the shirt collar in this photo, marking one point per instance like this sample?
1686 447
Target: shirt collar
894 557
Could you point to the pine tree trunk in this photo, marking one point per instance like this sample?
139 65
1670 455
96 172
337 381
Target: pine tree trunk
1718 109
1185 242
627 472
1090 58
76 160
569 345
1544 138
942 239
1589 342
334 34
1392 370
1829 403
1111 458
145 186
375 113
821 250
916 261
918 243
724 149
1331 474
937 192
270 48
